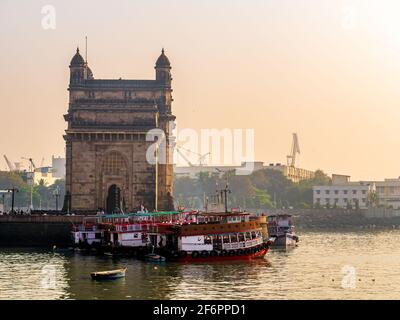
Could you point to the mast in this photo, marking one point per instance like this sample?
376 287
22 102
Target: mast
86 49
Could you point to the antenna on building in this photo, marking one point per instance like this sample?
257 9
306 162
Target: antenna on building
86 49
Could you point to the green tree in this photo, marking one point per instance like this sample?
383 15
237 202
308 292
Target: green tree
373 199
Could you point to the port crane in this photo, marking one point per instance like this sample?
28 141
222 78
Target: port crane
32 165
201 157
291 159
9 163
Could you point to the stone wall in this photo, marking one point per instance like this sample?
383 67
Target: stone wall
33 231
338 219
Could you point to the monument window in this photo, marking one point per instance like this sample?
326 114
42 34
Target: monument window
113 163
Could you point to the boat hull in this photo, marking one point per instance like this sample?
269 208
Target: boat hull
190 259
154 258
286 240
108 275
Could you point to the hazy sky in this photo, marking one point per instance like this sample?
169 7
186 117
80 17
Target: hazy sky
328 70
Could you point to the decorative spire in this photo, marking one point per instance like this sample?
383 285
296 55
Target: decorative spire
77 60
162 60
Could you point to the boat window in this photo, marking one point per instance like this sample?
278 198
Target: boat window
98 235
248 236
253 235
207 240
217 239
234 238
241 237
226 239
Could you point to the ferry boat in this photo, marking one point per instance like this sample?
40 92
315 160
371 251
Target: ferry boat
207 236
281 227
191 236
133 230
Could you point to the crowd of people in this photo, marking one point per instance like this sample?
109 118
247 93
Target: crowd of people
15 212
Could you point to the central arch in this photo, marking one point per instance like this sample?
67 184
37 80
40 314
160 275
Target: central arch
114 202
114 180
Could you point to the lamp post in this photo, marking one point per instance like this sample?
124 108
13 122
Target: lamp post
57 195
13 190
226 191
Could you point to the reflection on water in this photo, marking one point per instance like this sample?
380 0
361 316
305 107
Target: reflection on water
313 270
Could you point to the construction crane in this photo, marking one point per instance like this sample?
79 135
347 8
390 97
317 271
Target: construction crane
291 159
200 159
32 165
9 164
184 157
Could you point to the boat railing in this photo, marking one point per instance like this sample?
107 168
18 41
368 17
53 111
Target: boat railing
241 245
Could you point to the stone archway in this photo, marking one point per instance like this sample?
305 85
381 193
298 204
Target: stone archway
114 182
114 199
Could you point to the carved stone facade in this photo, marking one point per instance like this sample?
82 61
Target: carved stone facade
106 165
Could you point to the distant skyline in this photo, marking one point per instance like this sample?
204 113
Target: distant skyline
328 70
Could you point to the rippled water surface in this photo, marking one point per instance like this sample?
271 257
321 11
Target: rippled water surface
364 265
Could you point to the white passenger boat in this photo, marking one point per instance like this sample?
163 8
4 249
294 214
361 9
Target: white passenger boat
281 228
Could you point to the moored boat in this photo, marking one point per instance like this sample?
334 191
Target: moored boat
218 237
191 236
124 231
108 275
153 257
281 227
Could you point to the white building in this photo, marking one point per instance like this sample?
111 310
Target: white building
50 175
343 193
58 167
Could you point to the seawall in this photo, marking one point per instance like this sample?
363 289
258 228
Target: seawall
341 219
36 230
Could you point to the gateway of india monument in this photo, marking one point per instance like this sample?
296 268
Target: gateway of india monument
106 164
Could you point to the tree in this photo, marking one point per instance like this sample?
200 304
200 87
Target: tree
373 199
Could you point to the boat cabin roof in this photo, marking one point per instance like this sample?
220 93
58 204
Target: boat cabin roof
281 215
221 214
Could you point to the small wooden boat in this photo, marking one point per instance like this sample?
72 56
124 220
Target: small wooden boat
152 257
106 275
108 254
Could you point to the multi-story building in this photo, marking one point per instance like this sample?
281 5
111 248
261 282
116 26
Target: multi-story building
58 167
43 174
292 173
388 192
343 193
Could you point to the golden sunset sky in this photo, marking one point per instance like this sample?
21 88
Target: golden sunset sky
328 70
